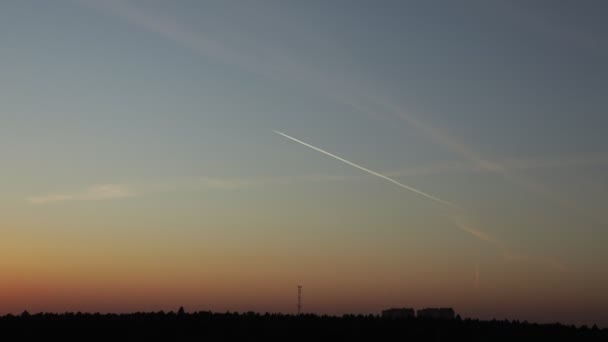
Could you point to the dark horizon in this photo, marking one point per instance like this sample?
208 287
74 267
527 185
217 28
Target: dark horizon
251 325
182 310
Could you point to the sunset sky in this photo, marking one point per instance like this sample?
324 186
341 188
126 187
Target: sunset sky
140 169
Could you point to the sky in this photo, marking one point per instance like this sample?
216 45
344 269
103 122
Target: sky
142 170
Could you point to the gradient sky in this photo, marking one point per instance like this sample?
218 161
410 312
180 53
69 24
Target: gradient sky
140 170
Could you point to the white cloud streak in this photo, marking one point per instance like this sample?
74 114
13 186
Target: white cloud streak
368 171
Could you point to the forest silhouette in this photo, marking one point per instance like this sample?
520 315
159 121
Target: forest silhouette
209 326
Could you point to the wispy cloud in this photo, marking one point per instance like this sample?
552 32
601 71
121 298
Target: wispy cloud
139 188
92 193
510 175
165 27
456 166
505 250
459 222
238 183
244 183
263 61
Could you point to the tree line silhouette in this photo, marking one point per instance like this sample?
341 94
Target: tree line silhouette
205 325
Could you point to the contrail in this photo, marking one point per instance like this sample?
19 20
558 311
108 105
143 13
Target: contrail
368 170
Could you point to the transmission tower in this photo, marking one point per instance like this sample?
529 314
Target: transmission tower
299 299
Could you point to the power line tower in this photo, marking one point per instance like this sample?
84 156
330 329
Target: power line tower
299 299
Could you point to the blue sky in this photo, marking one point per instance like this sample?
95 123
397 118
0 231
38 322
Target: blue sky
146 111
